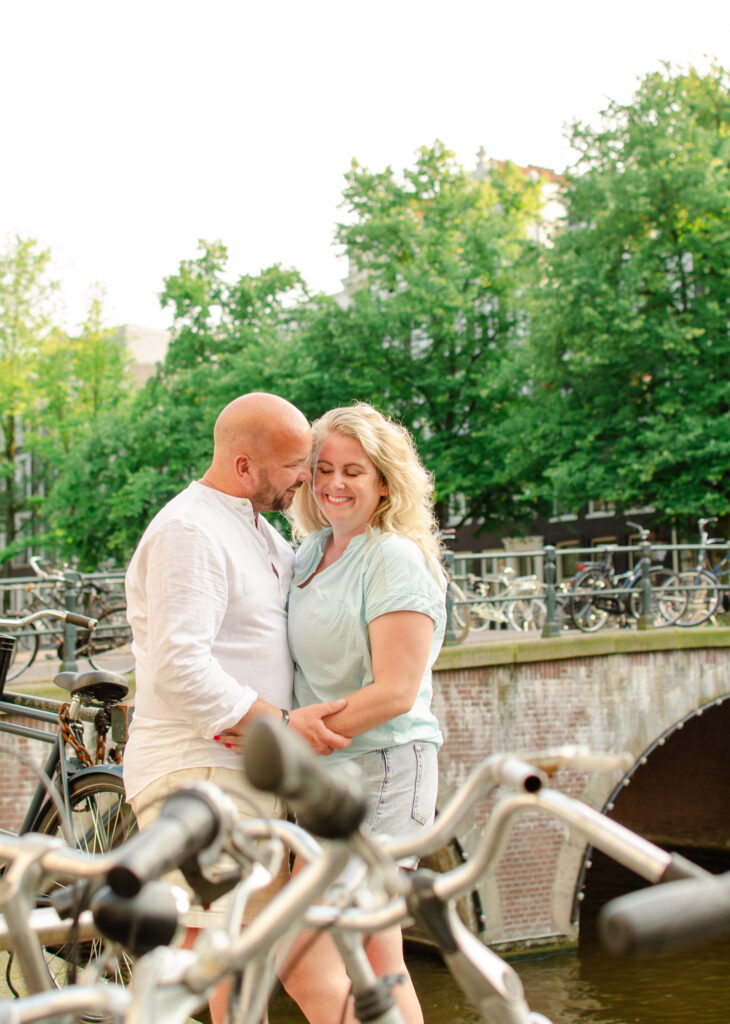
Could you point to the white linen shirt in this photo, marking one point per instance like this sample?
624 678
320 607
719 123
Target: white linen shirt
206 599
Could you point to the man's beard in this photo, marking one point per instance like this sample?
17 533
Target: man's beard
270 500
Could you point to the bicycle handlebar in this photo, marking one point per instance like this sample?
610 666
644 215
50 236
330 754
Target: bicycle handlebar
73 618
190 820
672 916
279 761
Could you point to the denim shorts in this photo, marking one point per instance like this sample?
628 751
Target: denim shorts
402 783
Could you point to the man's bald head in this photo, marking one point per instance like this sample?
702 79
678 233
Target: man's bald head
257 422
261 446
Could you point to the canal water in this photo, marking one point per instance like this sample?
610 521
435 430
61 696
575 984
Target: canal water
586 987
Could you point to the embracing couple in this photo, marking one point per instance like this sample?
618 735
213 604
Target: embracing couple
338 640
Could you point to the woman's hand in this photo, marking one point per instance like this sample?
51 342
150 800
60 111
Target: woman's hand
308 721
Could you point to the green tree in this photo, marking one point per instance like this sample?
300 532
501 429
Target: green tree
434 326
26 325
78 378
629 342
228 338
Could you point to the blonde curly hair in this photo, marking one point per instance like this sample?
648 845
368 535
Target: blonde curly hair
407 508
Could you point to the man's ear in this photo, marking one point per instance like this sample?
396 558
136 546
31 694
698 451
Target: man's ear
242 467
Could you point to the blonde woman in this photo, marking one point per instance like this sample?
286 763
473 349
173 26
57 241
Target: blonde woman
366 622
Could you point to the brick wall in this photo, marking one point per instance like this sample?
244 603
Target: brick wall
19 780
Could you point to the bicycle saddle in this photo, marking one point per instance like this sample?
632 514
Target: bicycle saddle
99 687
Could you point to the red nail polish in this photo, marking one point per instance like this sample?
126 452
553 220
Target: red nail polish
216 737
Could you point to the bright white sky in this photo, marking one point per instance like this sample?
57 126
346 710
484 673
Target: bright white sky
132 129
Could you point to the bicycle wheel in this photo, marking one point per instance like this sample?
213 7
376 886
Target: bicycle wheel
489 608
459 617
109 646
668 600
525 614
26 646
588 610
101 821
703 597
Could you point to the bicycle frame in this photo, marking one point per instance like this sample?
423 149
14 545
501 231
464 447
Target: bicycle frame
58 768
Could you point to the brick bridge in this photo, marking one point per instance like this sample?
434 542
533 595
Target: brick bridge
662 695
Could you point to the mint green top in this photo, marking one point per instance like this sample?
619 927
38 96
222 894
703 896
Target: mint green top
328 626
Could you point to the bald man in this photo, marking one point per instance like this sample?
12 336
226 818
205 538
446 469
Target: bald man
206 597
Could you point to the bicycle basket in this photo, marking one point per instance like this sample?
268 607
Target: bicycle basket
7 643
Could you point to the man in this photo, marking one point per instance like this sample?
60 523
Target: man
206 598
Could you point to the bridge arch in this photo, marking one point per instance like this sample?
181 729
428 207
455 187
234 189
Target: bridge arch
677 795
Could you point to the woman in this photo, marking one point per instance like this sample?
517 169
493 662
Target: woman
366 621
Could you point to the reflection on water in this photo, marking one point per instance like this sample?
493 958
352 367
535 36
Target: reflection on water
587 987
591 988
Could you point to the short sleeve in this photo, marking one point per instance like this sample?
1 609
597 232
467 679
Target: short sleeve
399 578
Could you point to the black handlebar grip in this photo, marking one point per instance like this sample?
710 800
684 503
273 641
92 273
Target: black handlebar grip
328 804
81 620
147 920
188 822
671 916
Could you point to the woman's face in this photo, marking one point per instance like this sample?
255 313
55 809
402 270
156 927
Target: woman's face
347 488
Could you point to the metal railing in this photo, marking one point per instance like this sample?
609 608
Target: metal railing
71 590
551 585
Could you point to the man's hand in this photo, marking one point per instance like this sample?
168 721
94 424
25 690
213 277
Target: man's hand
308 722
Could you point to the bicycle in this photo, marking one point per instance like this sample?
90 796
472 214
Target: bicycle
600 593
79 795
169 984
702 583
499 599
108 647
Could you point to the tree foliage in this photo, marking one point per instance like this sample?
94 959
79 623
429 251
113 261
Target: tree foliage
629 335
53 388
227 338
26 327
439 258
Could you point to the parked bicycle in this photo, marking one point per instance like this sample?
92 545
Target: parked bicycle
600 593
79 794
170 984
108 647
704 584
499 600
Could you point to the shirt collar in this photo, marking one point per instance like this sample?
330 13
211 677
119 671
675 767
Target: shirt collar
243 505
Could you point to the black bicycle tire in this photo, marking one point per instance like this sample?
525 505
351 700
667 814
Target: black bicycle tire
18 665
96 652
119 823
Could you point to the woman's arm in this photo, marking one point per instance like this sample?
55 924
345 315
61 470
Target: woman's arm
400 643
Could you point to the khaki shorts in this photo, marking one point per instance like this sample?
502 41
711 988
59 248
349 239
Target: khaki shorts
251 803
